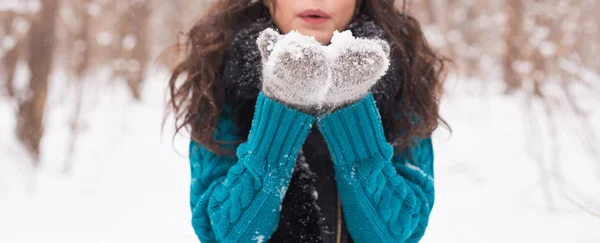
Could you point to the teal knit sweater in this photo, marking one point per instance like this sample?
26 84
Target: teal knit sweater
385 198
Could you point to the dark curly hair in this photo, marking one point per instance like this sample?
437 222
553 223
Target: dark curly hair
197 100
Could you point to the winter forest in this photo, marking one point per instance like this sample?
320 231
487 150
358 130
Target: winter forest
83 89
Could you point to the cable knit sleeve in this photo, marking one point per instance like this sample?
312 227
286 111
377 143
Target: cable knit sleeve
385 198
238 199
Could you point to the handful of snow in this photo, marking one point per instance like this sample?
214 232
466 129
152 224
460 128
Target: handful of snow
301 72
340 40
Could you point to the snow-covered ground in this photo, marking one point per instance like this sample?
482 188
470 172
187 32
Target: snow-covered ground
129 182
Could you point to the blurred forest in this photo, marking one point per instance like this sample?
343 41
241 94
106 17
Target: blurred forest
79 37
547 50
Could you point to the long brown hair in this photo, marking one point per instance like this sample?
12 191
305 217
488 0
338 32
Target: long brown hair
197 101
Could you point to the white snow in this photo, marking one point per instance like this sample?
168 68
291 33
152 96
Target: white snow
94 9
129 42
286 45
21 24
258 238
282 190
129 183
417 169
104 38
21 6
315 194
343 38
8 42
488 183
547 48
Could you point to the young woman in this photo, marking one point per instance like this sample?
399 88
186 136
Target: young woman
303 135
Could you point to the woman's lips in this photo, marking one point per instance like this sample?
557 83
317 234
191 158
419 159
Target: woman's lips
314 16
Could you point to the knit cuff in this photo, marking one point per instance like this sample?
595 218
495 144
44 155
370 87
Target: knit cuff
277 131
355 133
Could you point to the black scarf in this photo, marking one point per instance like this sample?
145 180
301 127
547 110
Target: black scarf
241 76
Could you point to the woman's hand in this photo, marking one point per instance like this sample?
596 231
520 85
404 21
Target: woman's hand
295 69
357 65
300 72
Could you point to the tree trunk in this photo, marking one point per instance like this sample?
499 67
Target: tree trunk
31 110
134 26
514 39
82 63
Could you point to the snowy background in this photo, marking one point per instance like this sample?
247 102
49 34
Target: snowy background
510 171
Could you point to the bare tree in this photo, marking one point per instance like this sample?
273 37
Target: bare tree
514 39
30 128
80 58
134 48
